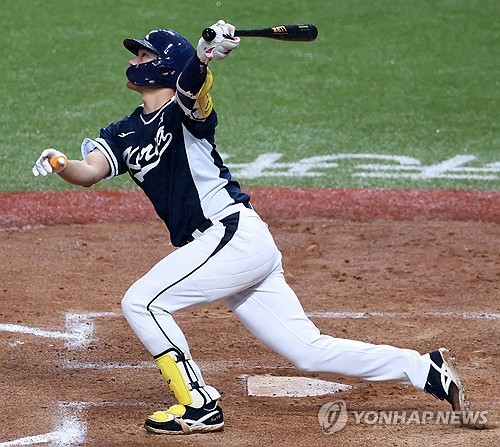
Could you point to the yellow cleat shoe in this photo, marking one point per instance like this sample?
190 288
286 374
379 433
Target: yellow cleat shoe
183 420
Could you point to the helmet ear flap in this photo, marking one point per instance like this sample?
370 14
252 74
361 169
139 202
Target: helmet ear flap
148 75
152 73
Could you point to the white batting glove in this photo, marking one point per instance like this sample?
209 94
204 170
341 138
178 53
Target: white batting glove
43 165
223 43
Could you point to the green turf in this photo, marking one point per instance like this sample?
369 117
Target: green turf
385 77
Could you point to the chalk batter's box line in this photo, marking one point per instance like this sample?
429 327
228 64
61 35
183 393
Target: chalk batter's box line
80 326
80 321
466 315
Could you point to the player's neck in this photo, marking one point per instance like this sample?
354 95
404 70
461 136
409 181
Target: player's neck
154 99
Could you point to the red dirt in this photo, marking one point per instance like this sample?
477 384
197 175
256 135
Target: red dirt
99 206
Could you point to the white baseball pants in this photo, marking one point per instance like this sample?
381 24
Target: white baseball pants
236 260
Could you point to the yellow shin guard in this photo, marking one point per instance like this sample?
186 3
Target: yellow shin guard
172 374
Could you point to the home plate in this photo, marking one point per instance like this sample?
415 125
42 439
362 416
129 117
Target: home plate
274 386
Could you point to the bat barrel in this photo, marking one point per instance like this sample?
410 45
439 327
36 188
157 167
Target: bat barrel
292 33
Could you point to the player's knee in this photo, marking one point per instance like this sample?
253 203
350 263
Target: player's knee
132 304
127 305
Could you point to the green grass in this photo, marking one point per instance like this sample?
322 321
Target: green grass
410 78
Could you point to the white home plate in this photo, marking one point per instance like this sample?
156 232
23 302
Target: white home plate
274 386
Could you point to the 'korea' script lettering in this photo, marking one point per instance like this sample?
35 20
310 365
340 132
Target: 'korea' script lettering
141 160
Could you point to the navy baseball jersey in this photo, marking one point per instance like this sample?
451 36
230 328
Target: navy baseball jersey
173 158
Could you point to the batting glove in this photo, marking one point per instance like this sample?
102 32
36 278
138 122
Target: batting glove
223 43
43 166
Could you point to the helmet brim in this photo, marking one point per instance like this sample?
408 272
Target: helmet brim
134 45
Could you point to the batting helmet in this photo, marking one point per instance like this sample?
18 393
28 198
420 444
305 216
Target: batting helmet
173 52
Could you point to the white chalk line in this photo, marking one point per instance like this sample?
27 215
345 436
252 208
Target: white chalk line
72 364
212 366
80 326
70 431
83 405
16 328
21 228
367 314
79 329
406 315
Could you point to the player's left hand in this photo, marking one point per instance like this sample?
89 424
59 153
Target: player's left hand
223 43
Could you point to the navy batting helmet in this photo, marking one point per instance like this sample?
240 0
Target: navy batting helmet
173 52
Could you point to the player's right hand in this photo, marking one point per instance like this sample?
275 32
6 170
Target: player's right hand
43 166
223 43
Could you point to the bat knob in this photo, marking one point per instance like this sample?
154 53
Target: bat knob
208 34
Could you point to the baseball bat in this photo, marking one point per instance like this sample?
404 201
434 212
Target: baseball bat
291 33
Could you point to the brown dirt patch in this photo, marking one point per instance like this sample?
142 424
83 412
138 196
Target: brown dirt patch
405 252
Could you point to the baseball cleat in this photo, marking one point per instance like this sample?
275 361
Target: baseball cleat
443 381
183 420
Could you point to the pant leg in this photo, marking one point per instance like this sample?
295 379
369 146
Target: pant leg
148 306
272 312
232 255
227 259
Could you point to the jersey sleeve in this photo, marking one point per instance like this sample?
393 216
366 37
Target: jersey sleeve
107 144
193 90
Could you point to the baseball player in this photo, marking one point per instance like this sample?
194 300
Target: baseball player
225 251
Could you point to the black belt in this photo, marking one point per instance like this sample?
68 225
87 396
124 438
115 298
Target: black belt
207 223
204 226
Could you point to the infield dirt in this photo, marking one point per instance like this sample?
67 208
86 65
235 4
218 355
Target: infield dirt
434 273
